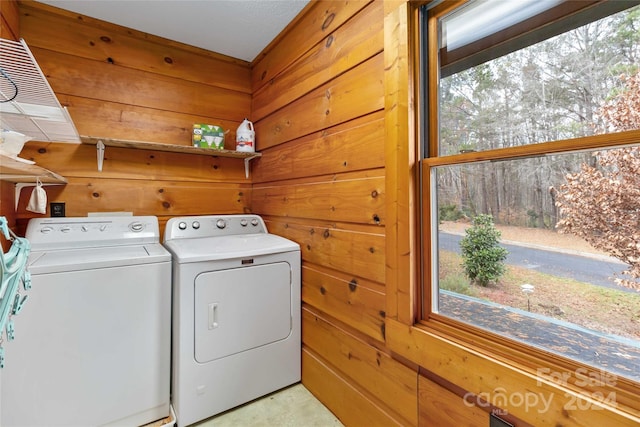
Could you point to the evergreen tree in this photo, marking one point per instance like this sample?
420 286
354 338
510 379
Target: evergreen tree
482 256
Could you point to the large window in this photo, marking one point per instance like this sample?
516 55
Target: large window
531 176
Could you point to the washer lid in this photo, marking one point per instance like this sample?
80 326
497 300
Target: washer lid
226 247
84 259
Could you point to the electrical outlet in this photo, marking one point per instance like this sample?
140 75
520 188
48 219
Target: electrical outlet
57 209
496 421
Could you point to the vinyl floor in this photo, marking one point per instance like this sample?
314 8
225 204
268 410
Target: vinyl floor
293 406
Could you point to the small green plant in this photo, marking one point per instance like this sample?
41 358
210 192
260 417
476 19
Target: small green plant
458 283
482 256
533 218
450 213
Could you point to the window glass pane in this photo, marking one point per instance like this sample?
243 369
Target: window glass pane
479 19
529 272
548 91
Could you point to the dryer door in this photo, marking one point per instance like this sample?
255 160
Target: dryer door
240 309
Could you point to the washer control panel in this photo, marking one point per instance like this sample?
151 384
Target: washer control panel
81 232
190 227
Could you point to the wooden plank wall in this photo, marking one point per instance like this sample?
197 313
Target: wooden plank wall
317 98
9 21
122 84
318 110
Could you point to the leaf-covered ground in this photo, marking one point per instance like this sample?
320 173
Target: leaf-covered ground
593 307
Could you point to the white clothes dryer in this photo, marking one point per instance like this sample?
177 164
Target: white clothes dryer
93 340
236 313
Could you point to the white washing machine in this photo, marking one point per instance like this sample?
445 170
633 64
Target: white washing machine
236 313
93 340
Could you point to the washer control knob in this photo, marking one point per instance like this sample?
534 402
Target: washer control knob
65 229
195 225
254 222
136 227
84 228
244 222
182 225
221 223
46 230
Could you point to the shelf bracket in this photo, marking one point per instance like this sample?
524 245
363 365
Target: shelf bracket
246 164
100 153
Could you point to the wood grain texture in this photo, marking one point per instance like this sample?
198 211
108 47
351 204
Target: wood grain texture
401 165
143 197
355 197
332 135
9 20
122 84
107 119
351 299
107 81
122 163
352 146
76 35
352 94
389 384
320 19
337 393
440 407
504 385
319 103
340 51
352 250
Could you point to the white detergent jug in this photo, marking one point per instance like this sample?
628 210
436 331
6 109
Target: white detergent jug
246 137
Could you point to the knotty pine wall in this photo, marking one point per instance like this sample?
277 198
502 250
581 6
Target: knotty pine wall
318 110
331 101
123 84
334 116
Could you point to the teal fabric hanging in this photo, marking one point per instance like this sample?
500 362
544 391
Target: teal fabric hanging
13 270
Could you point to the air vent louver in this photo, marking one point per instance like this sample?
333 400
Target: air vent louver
34 110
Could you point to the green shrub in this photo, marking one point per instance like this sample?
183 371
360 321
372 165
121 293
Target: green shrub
458 283
449 213
482 256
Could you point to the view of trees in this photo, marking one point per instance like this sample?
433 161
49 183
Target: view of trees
554 90
579 84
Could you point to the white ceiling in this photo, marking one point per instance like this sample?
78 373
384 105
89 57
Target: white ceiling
237 28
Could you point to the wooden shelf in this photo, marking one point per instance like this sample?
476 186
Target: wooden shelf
173 148
19 172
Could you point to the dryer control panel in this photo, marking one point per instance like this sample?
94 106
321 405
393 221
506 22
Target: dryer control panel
193 227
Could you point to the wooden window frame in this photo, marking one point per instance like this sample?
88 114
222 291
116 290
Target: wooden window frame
434 341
